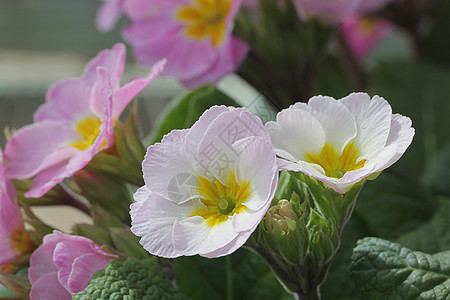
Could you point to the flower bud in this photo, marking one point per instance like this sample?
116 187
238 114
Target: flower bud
281 216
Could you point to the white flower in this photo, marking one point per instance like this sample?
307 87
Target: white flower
340 142
206 188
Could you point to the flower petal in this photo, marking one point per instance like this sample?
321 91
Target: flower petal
167 171
38 146
231 55
373 119
153 220
297 132
257 165
337 121
48 287
125 94
194 236
108 15
66 101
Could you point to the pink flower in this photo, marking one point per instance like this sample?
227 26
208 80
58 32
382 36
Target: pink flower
330 12
63 265
74 124
363 34
13 239
194 36
206 188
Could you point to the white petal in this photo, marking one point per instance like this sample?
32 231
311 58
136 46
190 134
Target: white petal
256 164
373 120
167 169
297 132
337 121
141 194
194 236
230 247
198 130
401 132
216 154
153 220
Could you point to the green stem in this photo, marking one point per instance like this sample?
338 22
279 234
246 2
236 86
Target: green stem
311 295
229 273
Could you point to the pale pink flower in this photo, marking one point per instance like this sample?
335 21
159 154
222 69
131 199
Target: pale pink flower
340 142
13 238
74 124
194 35
63 265
207 187
363 34
329 12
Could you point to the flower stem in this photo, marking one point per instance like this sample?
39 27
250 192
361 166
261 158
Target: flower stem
311 295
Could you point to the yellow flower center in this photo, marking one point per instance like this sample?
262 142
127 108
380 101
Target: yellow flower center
221 201
88 128
20 242
205 18
367 25
333 164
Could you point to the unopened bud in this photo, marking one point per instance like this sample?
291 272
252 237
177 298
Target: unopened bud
282 216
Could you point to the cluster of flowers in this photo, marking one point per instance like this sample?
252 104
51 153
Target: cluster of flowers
206 188
196 35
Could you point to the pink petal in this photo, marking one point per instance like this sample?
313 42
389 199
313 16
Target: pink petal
108 15
66 101
125 94
186 58
38 146
231 56
48 287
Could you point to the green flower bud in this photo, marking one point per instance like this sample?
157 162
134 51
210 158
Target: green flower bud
281 217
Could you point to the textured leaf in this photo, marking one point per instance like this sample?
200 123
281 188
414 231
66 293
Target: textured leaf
184 111
243 275
386 270
433 236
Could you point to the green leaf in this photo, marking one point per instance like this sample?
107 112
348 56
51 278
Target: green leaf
184 111
382 269
242 275
433 236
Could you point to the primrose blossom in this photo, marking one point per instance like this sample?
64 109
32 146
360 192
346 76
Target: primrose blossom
363 34
74 124
340 142
64 265
13 239
194 35
207 187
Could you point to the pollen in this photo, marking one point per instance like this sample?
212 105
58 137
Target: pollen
88 128
336 165
221 201
205 19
